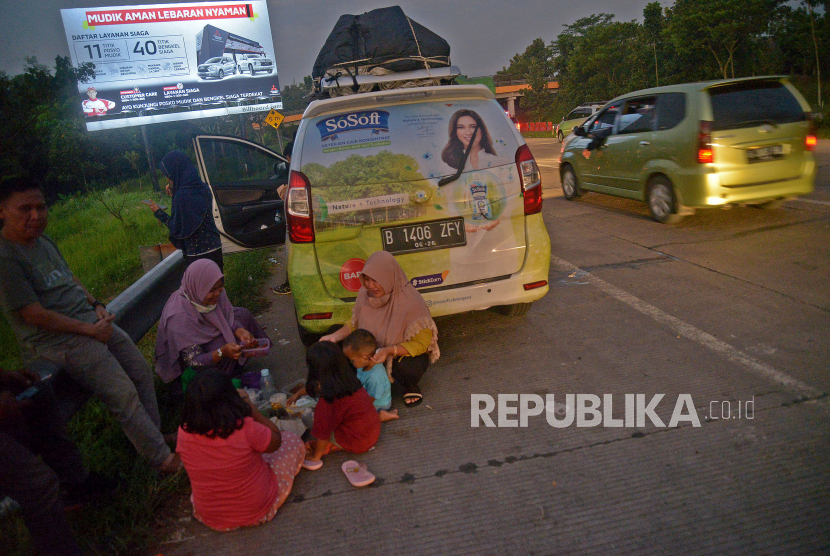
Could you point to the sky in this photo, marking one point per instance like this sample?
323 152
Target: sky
483 34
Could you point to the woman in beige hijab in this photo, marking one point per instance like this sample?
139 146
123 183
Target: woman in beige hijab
391 309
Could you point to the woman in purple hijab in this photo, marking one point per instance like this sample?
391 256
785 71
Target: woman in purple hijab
199 327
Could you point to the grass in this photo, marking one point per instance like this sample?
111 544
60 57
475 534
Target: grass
103 252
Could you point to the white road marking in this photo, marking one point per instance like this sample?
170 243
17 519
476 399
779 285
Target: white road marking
688 331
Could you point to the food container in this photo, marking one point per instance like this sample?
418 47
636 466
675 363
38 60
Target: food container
263 347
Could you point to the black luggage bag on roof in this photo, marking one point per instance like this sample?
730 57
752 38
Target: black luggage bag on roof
382 40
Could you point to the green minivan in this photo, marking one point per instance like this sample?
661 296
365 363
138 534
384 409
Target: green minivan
695 145
386 170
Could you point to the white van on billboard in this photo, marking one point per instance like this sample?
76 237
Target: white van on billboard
148 60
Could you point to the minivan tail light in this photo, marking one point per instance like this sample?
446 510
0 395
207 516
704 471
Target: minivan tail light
317 316
810 142
705 154
531 180
298 214
534 285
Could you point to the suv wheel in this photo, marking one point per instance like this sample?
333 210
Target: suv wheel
221 74
560 136
570 185
662 203
251 69
515 310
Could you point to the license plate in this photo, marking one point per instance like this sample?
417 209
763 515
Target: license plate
762 154
424 236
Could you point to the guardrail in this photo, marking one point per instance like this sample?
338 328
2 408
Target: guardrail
136 310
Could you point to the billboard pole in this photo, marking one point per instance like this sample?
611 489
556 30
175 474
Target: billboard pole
150 162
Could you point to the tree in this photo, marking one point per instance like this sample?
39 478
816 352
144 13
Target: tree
599 58
653 25
294 96
535 66
720 27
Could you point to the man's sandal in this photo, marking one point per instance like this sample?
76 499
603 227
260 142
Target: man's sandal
412 399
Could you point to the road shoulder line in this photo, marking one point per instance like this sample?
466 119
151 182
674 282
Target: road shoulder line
690 332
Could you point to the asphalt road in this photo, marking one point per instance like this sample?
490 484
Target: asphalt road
726 311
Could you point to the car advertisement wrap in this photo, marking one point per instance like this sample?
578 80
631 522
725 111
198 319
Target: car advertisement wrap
375 176
169 62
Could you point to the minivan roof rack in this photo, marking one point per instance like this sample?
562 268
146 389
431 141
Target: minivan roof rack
390 79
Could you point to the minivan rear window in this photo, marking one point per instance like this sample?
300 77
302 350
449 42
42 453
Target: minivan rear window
752 104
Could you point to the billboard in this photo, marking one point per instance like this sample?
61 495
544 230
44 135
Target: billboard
167 62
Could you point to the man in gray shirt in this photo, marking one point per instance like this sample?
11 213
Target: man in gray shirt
54 317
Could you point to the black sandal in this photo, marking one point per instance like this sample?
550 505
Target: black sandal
412 399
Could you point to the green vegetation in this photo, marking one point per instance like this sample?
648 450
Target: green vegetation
103 252
598 58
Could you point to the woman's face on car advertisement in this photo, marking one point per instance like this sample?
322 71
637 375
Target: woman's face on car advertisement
464 129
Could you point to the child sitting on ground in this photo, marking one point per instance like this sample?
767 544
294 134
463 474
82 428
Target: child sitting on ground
359 347
345 418
241 467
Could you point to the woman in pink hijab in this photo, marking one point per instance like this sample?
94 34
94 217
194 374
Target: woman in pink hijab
199 328
390 307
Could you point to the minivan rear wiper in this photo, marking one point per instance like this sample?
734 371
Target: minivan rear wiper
449 179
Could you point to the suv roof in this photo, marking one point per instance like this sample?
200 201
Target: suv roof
701 85
420 94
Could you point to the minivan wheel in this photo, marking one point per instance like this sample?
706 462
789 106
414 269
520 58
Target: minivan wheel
221 74
662 203
515 310
560 136
570 185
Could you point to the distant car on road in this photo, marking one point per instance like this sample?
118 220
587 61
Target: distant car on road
714 143
576 117
252 63
217 67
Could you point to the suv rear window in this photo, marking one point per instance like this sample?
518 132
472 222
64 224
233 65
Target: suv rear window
752 104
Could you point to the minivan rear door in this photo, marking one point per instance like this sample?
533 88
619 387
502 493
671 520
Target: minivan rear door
758 132
244 178
374 166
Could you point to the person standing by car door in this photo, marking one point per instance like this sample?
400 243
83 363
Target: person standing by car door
191 224
285 287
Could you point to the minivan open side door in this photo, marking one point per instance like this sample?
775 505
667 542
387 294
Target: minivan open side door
244 178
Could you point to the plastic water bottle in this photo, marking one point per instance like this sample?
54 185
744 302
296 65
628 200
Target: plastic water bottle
266 385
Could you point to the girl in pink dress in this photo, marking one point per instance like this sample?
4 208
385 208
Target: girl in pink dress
241 466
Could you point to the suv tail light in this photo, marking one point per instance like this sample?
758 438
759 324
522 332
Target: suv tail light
810 142
298 213
531 180
705 154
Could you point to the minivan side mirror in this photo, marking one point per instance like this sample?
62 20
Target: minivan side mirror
579 131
